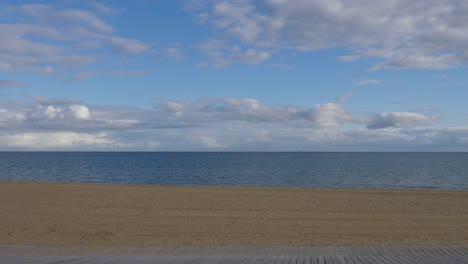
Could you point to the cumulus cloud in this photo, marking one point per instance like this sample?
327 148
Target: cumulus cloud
216 123
327 115
57 114
399 119
10 117
427 34
53 113
80 112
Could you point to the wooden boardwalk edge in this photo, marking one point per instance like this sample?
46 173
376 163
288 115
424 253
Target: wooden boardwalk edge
233 255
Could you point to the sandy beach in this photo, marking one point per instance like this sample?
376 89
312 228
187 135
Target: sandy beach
70 214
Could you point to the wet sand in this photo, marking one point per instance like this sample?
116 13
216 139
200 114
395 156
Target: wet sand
71 214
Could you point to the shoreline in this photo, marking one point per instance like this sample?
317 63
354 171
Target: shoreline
3 181
108 215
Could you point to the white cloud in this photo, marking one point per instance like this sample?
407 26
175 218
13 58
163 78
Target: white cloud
49 14
22 54
210 124
11 117
429 34
211 142
215 110
128 46
73 115
56 140
399 119
235 135
328 115
80 112
58 41
51 112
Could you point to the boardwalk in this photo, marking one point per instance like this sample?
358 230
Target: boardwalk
234 255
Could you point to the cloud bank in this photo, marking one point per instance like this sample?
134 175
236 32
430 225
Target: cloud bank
216 124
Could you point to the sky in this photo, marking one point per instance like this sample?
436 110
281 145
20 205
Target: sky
238 75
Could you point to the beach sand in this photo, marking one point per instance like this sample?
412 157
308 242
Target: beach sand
70 214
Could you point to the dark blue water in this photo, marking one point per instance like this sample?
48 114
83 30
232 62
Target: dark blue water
331 170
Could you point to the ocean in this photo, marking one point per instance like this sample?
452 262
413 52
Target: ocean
445 171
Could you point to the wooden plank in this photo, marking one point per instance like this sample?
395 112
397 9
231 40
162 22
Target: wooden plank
464 250
312 260
379 260
449 259
335 259
461 258
321 260
300 258
406 260
424 259
454 250
397 260
445 259
342 260
267 259
360 260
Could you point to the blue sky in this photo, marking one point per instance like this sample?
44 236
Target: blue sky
248 75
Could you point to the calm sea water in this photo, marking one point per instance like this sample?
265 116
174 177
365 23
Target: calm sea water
331 170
